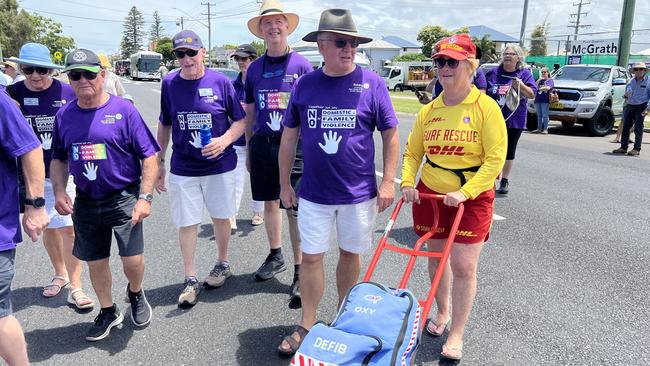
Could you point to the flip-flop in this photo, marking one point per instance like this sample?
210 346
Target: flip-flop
433 333
452 352
81 302
293 343
56 288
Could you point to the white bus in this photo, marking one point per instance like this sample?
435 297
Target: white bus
145 65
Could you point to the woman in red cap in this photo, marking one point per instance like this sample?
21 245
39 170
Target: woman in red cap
462 137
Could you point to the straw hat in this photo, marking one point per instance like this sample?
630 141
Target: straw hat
272 7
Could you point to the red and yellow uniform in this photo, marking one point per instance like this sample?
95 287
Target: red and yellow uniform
469 135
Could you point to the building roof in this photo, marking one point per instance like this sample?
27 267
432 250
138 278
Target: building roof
401 42
479 31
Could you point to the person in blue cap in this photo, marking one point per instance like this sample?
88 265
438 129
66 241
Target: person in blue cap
40 97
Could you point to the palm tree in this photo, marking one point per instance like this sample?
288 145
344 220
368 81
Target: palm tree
488 49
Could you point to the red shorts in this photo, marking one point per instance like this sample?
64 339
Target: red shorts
474 226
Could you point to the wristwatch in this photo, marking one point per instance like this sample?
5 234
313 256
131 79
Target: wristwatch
146 196
36 202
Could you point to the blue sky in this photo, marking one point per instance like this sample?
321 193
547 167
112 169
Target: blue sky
98 25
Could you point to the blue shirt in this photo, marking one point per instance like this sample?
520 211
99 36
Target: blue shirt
640 91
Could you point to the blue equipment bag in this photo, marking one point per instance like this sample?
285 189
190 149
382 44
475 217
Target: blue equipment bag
376 325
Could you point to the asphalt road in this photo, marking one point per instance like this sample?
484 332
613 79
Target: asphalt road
562 281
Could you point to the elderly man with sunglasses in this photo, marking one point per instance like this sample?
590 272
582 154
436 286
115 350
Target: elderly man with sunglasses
637 94
105 144
40 97
202 173
339 187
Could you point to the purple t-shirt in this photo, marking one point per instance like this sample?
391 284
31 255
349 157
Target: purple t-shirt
16 139
336 130
103 146
479 81
498 84
238 84
186 105
269 81
39 108
543 96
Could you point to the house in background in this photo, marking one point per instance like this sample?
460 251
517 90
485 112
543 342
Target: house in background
377 51
407 46
500 39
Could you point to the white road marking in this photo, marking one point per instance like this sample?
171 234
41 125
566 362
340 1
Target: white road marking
496 217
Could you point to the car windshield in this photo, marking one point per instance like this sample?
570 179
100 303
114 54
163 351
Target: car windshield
148 64
599 74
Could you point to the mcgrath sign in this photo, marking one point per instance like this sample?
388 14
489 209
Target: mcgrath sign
595 47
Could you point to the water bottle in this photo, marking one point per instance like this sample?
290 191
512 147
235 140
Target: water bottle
206 134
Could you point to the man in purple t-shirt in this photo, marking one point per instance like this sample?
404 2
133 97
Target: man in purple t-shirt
105 144
17 140
269 82
338 186
40 97
202 172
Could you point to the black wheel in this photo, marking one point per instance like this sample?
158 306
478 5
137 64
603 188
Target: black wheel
601 123
531 121
567 125
398 88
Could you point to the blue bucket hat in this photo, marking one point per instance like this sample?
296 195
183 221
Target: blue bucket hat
35 54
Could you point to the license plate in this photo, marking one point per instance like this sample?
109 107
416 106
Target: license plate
557 105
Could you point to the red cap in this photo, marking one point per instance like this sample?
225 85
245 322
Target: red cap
458 47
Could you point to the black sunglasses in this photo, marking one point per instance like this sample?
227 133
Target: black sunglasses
30 70
180 54
638 69
441 62
340 43
76 75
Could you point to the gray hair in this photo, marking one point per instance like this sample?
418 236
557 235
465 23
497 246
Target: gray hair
521 63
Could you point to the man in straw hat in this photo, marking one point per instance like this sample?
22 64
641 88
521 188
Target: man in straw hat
636 108
269 82
339 186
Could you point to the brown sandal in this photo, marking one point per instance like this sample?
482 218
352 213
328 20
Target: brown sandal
293 343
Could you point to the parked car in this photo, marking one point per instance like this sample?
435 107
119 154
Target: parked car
590 95
408 75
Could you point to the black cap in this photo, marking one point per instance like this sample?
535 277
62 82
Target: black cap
82 58
245 50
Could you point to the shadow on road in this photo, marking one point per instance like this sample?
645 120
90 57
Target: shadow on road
244 228
259 346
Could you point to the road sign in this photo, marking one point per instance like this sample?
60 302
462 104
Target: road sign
58 55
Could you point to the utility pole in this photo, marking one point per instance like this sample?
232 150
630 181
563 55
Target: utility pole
208 4
576 23
180 23
624 39
1 59
522 34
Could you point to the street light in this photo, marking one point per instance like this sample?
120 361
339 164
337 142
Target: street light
205 25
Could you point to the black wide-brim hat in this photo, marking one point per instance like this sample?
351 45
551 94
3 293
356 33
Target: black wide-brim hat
337 21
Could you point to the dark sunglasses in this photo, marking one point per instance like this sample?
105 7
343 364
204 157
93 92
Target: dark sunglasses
441 62
30 70
180 54
340 43
638 69
76 75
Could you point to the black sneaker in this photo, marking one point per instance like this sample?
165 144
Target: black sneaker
295 302
503 187
104 322
140 308
218 275
272 265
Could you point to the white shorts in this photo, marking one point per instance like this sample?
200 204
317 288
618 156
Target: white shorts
188 196
354 225
58 221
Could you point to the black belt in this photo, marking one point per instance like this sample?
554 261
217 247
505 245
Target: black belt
270 139
458 172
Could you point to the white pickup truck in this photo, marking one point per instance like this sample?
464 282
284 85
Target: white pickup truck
590 95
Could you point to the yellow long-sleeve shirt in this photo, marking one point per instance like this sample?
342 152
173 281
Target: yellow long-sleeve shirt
472 133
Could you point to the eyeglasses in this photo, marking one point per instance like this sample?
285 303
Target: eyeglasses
510 54
180 54
544 72
340 42
76 75
237 58
441 62
30 70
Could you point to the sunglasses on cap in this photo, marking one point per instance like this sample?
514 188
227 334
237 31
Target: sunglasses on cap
28 70
76 75
340 42
180 54
441 62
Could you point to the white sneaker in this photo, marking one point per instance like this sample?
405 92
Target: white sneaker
233 223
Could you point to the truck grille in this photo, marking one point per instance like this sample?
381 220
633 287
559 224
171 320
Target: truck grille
572 95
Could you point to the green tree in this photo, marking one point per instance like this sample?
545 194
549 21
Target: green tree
49 33
16 27
538 39
411 57
164 47
132 32
259 47
431 34
487 47
156 32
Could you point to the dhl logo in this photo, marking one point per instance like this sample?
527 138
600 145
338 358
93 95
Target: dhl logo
440 230
436 119
446 150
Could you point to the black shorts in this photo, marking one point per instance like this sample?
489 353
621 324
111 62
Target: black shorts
96 220
7 258
265 171
513 138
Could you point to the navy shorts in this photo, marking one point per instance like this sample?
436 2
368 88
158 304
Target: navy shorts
95 221
6 276
265 171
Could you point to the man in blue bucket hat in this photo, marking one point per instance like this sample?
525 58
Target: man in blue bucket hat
40 97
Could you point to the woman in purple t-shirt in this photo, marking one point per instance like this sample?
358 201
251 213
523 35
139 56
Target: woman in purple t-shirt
542 99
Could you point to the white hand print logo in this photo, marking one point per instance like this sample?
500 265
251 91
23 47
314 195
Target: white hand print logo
196 140
91 171
331 142
46 139
276 118
502 100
